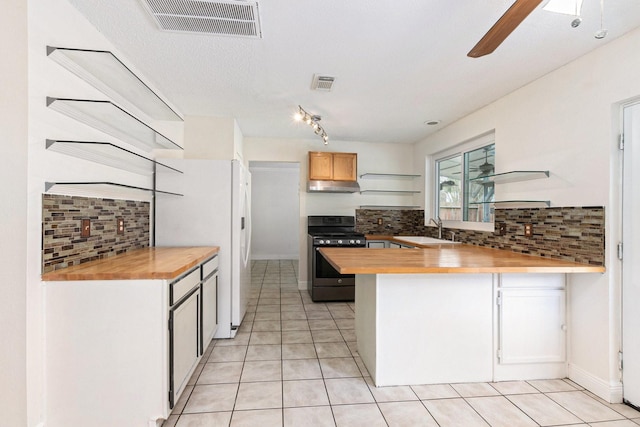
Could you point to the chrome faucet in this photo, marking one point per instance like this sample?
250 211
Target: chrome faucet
438 224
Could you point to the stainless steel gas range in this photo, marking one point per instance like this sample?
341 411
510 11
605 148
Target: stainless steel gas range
324 282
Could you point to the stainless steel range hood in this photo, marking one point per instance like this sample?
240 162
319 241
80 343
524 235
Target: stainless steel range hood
333 186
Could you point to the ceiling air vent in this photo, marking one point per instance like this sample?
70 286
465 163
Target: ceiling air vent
222 18
323 83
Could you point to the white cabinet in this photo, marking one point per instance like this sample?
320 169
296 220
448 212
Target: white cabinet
377 243
184 342
400 245
209 301
122 351
531 326
473 327
387 244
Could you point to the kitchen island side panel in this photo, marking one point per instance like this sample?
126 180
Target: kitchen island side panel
430 328
366 320
106 352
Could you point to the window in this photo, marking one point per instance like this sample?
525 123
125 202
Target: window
462 194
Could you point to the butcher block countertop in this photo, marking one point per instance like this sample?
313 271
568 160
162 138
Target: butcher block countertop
147 263
459 258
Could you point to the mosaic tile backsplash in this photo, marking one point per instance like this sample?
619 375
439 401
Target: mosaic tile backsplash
62 242
569 233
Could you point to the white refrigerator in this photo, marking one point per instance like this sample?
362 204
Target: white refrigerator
214 210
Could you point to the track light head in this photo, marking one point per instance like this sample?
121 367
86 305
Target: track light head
312 120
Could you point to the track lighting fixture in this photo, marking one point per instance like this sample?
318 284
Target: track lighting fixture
312 120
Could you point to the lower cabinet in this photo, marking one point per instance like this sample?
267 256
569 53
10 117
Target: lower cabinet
209 302
121 352
184 342
377 243
531 326
387 244
399 245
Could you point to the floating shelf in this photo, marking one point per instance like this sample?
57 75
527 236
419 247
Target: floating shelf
107 154
513 176
387 207
391 191
107 73
513 203
388 175
110 190
111 119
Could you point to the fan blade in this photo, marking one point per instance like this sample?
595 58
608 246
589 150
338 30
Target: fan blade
508 22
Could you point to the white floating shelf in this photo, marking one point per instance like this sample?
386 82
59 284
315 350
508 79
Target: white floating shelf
406 192
513 176
388 175
103 70
111 119
107 154
109 190
387 207
515 203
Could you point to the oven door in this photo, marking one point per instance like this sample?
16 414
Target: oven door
325 275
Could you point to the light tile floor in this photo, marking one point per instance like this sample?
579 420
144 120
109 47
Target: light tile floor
295 363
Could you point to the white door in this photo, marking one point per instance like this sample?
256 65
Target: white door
631 259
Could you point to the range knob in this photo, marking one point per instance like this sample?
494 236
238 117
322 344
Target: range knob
357 242
352 242
339 242
321 242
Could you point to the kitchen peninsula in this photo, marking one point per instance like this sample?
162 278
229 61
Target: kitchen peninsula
458 313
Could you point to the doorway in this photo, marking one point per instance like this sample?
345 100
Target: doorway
275 201
631 258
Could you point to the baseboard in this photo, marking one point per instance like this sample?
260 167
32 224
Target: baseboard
302 285
609 391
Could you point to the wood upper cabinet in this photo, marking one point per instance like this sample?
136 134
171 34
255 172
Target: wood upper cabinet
320 165
325 166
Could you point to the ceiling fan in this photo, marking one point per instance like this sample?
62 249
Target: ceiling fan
486 168
508 22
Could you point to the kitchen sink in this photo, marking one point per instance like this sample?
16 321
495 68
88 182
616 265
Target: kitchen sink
423 240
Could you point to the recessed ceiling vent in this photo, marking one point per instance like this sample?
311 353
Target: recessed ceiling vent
323 83
222 18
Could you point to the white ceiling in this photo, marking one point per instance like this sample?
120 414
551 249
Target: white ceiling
397 63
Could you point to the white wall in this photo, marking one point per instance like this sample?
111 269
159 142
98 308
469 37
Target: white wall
13 223
208 137
372 157
275 209
568 122
57 23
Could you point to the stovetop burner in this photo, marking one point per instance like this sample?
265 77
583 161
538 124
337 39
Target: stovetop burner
334 231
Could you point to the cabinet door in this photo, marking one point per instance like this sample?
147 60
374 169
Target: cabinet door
345 166
320 166
184 343
375 244
399 246
531 325
209 309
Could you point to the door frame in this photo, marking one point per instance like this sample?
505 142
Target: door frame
626 240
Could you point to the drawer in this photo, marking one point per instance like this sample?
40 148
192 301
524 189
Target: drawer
182 286
209 266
